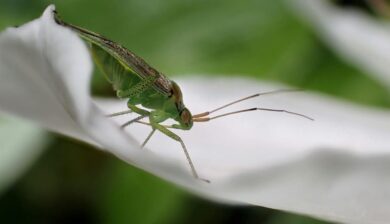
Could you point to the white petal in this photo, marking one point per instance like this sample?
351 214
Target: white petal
358 38
335 167
20 144
36 60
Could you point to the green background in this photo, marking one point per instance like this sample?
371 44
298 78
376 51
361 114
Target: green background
75 183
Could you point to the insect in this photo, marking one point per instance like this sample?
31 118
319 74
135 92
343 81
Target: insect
149 92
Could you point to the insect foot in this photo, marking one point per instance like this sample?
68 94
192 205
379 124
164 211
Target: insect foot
204 180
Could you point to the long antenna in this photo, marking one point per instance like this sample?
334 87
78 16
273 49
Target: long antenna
243 99
205 119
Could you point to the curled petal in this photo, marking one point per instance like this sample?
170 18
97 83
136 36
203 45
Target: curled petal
44 72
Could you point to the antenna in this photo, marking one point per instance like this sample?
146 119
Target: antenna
243 99
205 119
202 117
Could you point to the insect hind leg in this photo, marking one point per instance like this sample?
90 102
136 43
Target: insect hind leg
148 138
175 137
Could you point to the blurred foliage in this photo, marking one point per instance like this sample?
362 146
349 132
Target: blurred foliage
20 145
73 183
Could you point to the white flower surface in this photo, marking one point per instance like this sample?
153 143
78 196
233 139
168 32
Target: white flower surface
334 168
357 37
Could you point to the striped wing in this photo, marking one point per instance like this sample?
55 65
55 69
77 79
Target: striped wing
117 62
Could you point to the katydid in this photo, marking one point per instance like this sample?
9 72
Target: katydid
150 93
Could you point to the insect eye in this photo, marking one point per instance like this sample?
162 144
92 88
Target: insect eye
185 116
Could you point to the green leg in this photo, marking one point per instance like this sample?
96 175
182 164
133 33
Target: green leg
143 113
148 138
119 113
137 110
132 121
172 135
137 89
132 92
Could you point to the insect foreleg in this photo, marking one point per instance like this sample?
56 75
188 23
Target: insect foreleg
137 110
143 113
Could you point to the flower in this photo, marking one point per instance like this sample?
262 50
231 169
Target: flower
334 168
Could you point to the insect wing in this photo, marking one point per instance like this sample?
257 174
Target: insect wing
120 65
